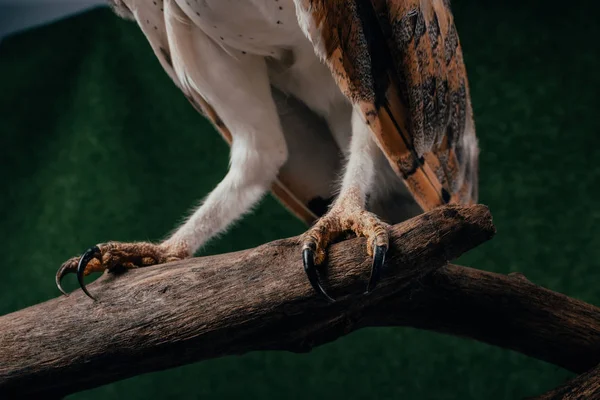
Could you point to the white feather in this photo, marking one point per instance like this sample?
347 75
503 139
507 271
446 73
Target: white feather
220 55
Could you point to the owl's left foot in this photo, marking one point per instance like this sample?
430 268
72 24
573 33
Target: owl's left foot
111 255
340 219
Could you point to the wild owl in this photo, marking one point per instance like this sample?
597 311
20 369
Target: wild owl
383 81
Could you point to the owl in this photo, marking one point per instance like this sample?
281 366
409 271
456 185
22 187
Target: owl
355 114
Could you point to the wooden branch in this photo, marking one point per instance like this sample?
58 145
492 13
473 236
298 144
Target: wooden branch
505 311
583 387
258 299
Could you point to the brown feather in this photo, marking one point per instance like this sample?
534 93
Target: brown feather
400 62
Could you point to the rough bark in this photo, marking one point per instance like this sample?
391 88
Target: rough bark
583 387
506 311
168 315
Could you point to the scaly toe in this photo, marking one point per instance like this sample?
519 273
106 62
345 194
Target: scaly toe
108 256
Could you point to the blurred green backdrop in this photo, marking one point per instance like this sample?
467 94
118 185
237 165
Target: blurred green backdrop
97 144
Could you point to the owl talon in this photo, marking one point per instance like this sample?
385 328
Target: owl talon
308 258
112 255
59 275
377 267
78 265
91 253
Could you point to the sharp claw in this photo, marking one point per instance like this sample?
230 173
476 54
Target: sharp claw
308 258
378 261
91 253
59 275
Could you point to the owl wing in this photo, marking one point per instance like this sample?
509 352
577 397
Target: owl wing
400 63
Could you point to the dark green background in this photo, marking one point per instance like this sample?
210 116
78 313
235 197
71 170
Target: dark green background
97 144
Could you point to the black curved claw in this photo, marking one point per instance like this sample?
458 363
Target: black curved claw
91 253
308 258
59 275
378 261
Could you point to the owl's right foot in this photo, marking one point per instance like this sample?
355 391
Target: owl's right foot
111 255
339 219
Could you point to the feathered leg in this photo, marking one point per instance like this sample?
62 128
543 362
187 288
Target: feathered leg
240 93
348 212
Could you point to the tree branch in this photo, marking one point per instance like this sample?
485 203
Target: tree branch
164 316
505 311
583 387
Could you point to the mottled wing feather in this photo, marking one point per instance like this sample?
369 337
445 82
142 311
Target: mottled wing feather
400 63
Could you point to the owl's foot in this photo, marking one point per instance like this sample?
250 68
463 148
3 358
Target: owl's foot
341 219
110 255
